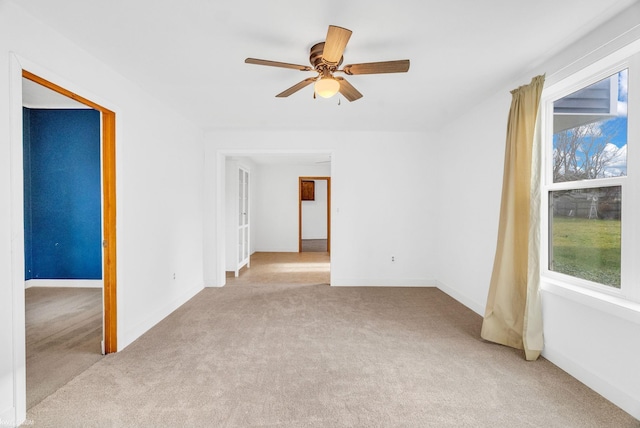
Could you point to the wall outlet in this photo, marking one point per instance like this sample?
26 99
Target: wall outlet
393 258
174 275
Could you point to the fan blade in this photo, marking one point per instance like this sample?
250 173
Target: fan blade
337 39
346 89
277 64
295 88
400 66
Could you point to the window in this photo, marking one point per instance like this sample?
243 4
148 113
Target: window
589 177
585 233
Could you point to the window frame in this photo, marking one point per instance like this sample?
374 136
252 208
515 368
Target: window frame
629 290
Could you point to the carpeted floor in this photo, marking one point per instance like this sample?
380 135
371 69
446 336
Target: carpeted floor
63 335
310 355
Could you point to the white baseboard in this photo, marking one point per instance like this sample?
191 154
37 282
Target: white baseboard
8 418
127 336
277 250
71 283
469 303
213 284
377 282
626 402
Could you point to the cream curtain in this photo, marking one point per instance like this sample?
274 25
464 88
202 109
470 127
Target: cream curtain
513 316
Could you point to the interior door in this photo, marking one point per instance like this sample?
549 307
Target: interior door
243 219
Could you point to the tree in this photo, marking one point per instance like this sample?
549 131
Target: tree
587 152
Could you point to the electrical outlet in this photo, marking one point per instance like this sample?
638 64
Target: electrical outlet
393 258
174 275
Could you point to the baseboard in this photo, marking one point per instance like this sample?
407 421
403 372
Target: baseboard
8 417
213 284
277 250
67 283
127 337
621 399
377 282
618 397
469 303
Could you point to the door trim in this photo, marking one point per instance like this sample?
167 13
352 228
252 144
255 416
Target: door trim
328 180
108 207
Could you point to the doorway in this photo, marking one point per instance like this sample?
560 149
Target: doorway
314 214
63 239
107 118
274 170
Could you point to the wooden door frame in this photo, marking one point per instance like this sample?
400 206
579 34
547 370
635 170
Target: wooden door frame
328 180
108 207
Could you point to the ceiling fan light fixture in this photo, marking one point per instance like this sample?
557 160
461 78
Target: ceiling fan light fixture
327 87
326 58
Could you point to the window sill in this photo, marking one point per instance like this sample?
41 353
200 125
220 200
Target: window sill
612 305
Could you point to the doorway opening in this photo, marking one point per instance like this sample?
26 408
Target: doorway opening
275 255
314 214
77 322
108 124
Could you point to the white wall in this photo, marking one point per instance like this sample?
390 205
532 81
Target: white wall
314 213
231 215
159 175
429 199
598 344
275 214
379 207
471 157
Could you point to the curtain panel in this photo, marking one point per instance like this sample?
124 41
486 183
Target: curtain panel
513 315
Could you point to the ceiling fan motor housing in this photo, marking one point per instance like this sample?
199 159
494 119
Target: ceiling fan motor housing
315 58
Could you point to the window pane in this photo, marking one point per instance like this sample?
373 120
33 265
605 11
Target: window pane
590 131
585 234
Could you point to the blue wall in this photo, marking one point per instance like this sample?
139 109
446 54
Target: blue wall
62 196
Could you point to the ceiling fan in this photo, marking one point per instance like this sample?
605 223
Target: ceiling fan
326 58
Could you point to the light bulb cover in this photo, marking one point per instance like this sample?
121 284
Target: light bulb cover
327 87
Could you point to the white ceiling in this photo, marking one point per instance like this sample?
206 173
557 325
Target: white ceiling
37 96
191 53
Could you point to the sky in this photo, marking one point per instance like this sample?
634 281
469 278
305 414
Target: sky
616 126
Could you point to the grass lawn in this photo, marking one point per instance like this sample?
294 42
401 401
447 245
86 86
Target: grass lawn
587 249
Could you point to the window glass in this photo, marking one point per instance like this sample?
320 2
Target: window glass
585 233
590 131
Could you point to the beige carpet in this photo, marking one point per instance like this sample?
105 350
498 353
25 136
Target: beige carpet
299 355
63 335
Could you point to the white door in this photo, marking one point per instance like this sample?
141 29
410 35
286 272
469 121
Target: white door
243 219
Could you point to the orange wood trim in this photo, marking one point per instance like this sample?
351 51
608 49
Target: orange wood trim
328 180
108 208
59 89
109 214
299 214
329 215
